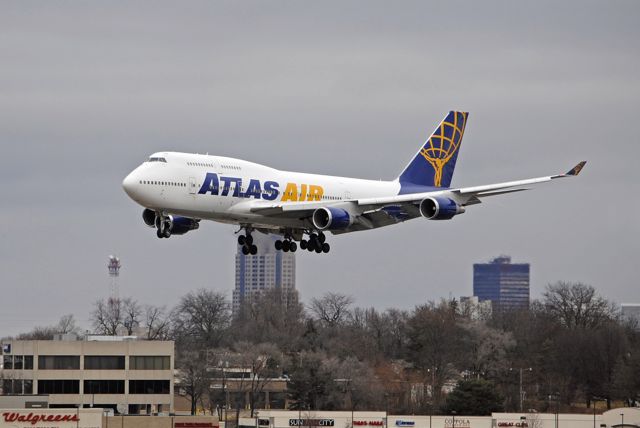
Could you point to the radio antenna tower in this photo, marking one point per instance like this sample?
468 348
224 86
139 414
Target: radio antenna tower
114 272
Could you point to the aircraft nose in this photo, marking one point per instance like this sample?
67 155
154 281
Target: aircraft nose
129 184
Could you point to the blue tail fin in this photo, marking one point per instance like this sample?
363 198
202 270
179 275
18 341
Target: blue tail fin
433 165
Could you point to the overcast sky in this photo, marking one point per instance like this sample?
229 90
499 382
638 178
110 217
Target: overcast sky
89 89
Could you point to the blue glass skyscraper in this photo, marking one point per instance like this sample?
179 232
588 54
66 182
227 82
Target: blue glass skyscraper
504 283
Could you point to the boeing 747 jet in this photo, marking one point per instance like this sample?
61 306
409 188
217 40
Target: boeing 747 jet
178 190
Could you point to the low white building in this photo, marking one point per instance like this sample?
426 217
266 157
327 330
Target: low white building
128 376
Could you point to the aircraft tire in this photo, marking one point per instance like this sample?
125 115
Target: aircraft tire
248 239
278 245
293 247
318 249
241 240
326 247
286 246
303 244
167 232
159 234
245 251
253 250
321 238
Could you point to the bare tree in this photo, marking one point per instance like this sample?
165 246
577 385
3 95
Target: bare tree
157 323
107 316
131 315
263 362
576 305
65 325
331 309
202 318
192 376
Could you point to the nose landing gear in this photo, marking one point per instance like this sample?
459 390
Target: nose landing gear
163 226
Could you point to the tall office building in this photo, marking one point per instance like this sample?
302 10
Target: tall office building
504 283
268 270
631 312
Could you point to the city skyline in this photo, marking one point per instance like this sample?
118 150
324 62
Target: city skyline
87 92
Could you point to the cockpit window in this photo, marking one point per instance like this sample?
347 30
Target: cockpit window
157 160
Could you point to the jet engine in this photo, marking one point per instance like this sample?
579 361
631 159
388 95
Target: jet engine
173 225
181 225
327 218
439 208
149 217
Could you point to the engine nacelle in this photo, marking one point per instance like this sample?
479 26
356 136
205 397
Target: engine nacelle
439 208
149 217
331 218
181 225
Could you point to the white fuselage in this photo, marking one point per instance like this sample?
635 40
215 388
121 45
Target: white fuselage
225 189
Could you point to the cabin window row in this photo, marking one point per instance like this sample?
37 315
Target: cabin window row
163 183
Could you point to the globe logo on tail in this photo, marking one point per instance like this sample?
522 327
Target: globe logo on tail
444 143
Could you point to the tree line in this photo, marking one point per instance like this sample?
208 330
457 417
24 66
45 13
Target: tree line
567 350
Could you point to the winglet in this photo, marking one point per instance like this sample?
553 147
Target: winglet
576 169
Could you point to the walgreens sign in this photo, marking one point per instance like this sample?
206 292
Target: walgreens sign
51 418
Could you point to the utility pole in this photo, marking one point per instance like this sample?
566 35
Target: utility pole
521 389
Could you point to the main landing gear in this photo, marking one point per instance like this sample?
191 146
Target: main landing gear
248 247
316 242
286 245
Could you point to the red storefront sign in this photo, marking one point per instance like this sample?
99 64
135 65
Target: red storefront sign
34 419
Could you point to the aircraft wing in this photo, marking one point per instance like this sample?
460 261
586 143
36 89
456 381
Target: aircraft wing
377 212
470 195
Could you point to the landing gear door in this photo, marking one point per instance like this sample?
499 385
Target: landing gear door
192 185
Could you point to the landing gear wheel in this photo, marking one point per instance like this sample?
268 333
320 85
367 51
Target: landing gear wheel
321 238
245 251
293 247
253 250
278 245
241 240
318 249
248 239
303 244
167 232
159 234
326 247
286 245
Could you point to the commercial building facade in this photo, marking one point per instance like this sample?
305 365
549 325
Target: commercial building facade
618 418
128 376
267 270
503 283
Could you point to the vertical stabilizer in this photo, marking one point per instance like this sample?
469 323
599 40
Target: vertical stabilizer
433 165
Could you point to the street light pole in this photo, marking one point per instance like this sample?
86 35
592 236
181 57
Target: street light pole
622 415
453 419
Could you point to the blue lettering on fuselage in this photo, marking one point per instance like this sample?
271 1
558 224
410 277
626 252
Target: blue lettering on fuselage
213 184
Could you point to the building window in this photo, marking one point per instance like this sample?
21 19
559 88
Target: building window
149 363
7 362
104 386
59 362
149 387
104 362
28 387
28 362
59 386
18 362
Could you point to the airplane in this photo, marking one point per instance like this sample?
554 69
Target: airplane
178 190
